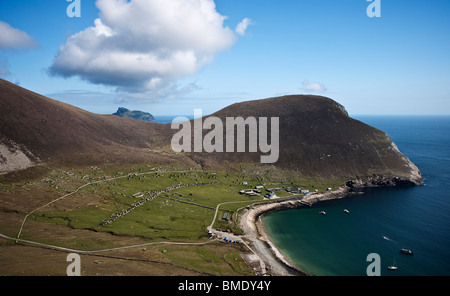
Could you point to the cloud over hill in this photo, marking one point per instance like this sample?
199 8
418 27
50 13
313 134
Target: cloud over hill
145 45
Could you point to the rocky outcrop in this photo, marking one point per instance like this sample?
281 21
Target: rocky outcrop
138 115
383 181
14 157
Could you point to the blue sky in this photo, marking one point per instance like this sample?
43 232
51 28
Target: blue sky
398 63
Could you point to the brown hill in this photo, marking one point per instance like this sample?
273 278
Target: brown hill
317 138
49 130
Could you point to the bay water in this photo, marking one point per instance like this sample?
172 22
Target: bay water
382 220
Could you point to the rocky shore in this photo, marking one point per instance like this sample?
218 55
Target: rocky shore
270 257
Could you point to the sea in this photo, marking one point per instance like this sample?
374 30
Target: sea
169 118
383 220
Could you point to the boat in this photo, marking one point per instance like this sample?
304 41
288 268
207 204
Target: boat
346 211
393 267
322 213
406 252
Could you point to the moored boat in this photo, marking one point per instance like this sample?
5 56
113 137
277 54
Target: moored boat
393 267
406 252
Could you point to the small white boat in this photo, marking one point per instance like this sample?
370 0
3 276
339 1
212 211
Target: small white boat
346 211
322 213
393 267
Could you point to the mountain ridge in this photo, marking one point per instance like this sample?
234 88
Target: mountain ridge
317 138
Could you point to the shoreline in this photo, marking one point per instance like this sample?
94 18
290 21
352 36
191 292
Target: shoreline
276 252
261 243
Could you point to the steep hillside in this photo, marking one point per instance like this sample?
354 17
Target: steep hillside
317 138
48 130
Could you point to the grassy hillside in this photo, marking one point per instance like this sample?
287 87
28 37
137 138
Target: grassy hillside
180 215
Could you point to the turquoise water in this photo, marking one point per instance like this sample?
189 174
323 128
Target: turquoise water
382 220
169 118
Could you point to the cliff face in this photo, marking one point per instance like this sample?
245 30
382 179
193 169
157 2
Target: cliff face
14 157
413 176
317 139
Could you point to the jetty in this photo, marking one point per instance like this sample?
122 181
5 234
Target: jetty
304 202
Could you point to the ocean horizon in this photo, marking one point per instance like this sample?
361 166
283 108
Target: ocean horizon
169 118
382 220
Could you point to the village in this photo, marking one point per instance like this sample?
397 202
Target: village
227 235
271 191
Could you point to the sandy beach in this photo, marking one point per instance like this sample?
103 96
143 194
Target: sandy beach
271 259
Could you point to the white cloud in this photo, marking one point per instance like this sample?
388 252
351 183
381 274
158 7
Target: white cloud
167 91
12 38
241 28
314 86
145 45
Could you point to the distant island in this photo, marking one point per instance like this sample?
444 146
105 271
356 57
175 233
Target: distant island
138 115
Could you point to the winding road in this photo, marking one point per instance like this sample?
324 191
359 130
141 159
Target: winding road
18 239
217 235
97 251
